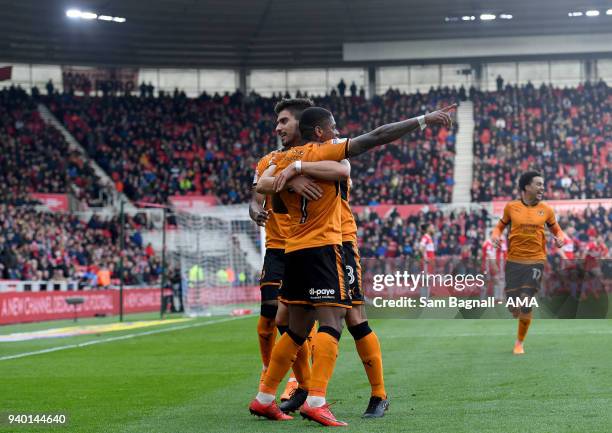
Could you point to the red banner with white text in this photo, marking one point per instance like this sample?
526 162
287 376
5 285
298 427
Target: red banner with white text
193 203
404 210
54 202
19 307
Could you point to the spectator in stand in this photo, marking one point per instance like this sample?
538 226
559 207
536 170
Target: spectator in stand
342 87
564 133
500 83
104 277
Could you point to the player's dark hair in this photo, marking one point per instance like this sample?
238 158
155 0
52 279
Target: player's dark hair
295 105
526 179
311 118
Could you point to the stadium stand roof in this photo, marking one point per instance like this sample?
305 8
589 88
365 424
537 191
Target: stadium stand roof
266 33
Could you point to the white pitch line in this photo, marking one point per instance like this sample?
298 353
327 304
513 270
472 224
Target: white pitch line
121 337
496 334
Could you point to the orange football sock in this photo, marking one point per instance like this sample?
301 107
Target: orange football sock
283 355
309 339
266 331
324 361
368 348
301 367
523 325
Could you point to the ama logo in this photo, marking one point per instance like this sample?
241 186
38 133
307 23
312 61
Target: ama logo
528 302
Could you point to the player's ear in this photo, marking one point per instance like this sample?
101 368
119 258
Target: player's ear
318 131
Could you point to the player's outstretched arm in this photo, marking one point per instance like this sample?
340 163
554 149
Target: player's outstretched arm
496 235
500 227
392 131
555 229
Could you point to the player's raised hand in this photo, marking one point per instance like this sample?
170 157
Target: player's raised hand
496 241
306 187
284 176
441 116
559 241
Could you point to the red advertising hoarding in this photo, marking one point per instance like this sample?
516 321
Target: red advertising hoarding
193 203
54 202
404 210
19 307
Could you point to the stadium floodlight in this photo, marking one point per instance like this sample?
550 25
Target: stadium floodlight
468 18
575 14
451 19
487 17
609 12
73 13
592 13
89 15
506 16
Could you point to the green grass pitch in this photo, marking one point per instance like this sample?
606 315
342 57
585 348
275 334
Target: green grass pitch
441 375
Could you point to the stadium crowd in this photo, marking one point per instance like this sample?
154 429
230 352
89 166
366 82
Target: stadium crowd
457 233
590 230
154 148
34 157
38 245
564 133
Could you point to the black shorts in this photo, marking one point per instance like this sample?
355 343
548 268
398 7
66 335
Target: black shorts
523 278
316 276
353 271
272 274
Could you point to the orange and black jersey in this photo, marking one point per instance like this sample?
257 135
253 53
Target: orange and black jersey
349 226
314 223
277 226
527 240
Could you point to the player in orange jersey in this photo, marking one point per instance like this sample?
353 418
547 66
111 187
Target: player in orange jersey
315 283
276 225
366 340
527 218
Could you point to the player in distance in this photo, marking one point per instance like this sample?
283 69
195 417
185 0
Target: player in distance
527 218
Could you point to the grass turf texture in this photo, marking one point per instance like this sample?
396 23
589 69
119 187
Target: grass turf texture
441 375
